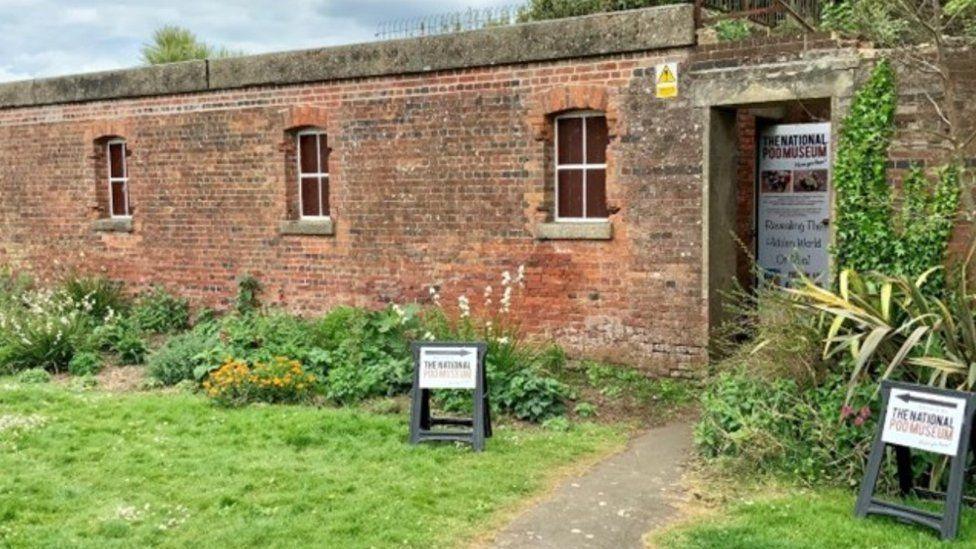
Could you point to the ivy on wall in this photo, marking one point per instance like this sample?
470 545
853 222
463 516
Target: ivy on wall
873 233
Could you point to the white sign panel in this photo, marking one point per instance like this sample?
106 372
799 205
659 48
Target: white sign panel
793 222
922 420
448 367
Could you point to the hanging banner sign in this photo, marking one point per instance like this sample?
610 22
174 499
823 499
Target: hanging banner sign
666 80
793 218
925 421
448 367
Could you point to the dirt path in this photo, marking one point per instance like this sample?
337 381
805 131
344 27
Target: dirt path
613 504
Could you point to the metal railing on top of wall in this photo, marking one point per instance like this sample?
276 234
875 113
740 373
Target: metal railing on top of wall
769 13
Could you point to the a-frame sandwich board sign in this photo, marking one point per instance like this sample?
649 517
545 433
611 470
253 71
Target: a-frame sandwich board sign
450 366
929 419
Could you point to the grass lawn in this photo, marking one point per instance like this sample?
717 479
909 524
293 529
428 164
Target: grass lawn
96 469
805 518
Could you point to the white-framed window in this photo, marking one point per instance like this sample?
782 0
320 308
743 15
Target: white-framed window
313 174
118 178
581 166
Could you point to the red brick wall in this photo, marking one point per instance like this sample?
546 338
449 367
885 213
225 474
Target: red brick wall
436 180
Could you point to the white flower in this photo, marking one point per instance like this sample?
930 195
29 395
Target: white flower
429 336
520 276
506 278
435 296
506 300
464 306
503 340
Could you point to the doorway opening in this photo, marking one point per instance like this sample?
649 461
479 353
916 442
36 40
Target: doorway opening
769 194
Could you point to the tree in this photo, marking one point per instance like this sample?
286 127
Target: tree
171 44
538 10
923 37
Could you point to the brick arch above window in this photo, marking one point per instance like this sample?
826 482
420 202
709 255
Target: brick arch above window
305 116
103 130
555 101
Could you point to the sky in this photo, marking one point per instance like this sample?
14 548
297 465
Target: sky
41 38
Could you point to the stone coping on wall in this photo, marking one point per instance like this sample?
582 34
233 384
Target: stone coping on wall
578 37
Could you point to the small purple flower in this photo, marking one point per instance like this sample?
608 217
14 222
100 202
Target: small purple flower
864 413
846 411
858 421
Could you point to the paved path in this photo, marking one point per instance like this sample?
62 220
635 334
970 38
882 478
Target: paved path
613 504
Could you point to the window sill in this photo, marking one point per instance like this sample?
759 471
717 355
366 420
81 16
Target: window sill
595 230
307 227
112 225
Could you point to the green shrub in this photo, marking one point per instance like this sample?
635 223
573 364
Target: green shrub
777 426
123 337
585 409
160 312
34 375
367 352
85 363
182 354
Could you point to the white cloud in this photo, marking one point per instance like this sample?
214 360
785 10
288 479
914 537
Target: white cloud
41 38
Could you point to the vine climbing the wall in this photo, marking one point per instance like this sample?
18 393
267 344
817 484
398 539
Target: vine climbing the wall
874 231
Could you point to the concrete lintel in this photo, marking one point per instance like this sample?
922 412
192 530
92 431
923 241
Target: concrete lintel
596 230
756 84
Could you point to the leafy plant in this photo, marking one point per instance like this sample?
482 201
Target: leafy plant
367 352
160 312
892 328
776 426
123 337
34 375
85 363
248 294
182 354
732 30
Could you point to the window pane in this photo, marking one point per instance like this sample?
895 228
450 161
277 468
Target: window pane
308 150
310 196
116 153
570 193
118 199
324 152
596 193
325 196
570 137
596 140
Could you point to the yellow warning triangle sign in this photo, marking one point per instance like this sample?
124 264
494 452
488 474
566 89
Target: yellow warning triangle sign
666 76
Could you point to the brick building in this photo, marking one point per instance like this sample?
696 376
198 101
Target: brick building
367 174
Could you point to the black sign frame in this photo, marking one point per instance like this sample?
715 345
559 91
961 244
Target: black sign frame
422 424
947 524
